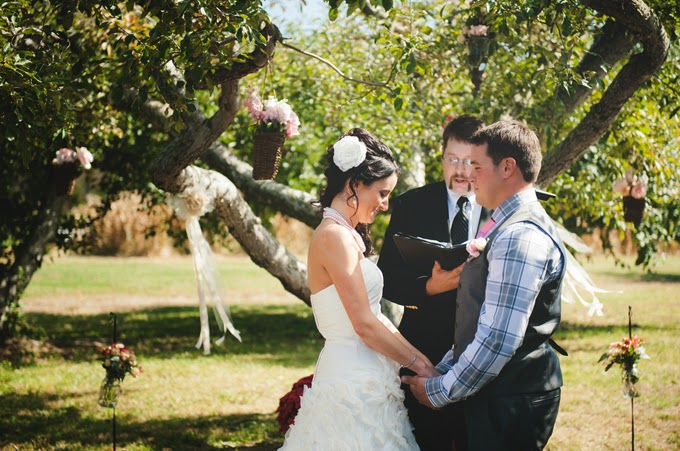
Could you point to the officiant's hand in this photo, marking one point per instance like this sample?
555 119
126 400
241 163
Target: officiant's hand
442 280
417 386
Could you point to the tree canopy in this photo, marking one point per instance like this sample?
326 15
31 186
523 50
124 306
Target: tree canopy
153 90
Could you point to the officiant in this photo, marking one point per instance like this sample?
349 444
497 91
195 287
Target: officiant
443 211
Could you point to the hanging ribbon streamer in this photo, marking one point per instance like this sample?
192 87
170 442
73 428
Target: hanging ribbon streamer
189 206
576 278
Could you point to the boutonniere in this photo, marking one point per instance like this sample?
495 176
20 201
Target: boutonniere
476 247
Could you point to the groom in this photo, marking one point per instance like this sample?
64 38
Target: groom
508 305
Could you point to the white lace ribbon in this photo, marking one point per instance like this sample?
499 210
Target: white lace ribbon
190 206
576 279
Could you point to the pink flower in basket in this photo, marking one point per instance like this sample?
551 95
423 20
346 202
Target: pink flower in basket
81 154
272 115
631 185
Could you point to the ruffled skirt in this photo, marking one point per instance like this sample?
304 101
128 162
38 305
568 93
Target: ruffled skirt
355 403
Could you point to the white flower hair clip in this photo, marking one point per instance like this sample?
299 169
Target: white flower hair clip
476 247
349 152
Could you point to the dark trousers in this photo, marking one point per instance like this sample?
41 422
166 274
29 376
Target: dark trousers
511 422
436 430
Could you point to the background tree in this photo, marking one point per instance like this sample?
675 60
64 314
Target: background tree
153 89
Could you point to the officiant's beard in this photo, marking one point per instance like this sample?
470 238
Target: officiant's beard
459 188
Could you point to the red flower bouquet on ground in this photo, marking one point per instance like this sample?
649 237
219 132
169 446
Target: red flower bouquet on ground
289 404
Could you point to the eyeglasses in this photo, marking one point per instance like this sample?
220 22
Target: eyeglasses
467 164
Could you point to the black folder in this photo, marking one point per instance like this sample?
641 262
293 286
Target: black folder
421 253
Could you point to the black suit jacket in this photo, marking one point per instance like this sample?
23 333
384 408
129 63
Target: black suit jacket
428 321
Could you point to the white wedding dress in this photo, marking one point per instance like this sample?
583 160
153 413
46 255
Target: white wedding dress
355 402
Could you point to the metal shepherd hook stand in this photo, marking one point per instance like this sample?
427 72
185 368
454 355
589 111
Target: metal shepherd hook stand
632 398
113 318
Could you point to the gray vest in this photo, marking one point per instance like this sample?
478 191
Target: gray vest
535 366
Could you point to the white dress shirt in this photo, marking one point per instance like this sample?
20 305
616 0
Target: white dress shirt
474 211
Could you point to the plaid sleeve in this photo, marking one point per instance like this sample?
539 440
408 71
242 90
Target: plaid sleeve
446 363
436 391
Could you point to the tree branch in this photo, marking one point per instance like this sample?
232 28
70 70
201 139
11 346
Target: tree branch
332 66
248 230
193 141
279 197
258 59
639 19
610 47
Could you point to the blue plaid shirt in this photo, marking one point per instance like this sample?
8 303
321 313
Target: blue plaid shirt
522 258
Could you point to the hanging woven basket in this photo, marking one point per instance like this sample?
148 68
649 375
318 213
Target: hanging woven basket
267 154
633 209
65 176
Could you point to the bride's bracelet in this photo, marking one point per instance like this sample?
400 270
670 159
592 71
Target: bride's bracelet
411 362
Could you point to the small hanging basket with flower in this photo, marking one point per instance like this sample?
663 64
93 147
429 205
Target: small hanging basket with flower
67 166
478 39
274 121
633 189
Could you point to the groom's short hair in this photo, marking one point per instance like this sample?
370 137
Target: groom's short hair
512 139
461 128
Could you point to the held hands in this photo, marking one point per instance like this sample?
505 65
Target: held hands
424 368
417 386
442 280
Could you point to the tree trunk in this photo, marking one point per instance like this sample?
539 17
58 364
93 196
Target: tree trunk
28 259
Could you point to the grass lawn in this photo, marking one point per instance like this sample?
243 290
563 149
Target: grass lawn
227 400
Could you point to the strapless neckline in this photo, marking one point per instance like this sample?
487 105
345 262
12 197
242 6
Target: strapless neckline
333 285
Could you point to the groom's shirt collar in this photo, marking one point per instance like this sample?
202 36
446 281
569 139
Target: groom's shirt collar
512 203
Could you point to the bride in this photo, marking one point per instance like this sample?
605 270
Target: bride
355 402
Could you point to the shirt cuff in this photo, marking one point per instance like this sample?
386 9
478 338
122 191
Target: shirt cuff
446 363
436 392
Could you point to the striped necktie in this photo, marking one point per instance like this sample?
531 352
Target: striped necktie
459 226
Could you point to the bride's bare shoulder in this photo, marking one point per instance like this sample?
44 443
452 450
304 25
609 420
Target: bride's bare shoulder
330 234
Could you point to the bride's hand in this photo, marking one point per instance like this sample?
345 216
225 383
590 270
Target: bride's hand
425 368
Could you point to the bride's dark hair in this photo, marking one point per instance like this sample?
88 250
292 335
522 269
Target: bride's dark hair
379 164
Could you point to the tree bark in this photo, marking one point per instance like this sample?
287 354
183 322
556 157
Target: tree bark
609 48
639 19
198 135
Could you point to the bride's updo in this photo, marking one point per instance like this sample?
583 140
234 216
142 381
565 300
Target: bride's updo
379 163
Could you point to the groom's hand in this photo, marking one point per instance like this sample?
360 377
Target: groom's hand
417 386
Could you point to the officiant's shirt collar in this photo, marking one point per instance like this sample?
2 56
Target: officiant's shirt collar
453 197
